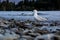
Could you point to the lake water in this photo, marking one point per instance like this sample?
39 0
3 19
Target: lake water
51 15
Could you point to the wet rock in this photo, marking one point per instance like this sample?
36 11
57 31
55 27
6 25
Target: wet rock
9 36
28 25
35 29
43 32
27 37
56 37
52 24
22 39
27 31
4 25
21 25
2 31
37 24
46 24
38 30
33 34
44 37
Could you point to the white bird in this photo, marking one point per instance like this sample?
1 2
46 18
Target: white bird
37 17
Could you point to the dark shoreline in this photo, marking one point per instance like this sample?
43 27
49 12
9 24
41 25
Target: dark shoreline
30 5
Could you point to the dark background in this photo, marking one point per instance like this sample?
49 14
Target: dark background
42 5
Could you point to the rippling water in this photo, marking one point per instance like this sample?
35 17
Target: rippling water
51 15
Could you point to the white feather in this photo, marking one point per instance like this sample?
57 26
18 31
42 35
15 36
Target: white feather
37 17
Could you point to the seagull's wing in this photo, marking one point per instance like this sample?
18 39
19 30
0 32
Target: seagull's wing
40 18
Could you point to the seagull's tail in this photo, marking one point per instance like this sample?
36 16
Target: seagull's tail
45 19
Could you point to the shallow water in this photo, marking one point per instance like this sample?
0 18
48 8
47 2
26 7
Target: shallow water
51 15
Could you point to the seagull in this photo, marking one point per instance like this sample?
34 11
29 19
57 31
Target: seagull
37 17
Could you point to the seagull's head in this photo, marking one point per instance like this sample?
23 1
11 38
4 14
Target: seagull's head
35 11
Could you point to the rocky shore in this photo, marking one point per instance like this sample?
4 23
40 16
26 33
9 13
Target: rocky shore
29 30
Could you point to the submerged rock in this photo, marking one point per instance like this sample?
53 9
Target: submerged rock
44 37
8 36
27 31
33 34
27 37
